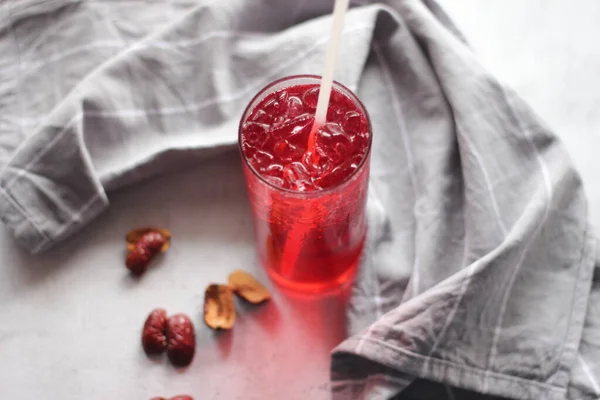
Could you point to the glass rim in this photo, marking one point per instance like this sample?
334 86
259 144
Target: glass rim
341 184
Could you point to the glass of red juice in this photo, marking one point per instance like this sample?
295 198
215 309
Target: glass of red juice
308 201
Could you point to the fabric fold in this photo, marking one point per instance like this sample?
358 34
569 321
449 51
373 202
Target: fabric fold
479 267
498 253
159 104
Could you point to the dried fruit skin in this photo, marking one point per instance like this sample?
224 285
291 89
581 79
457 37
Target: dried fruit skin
181 340
182 397
135 235
247 287
158 398
219 309
154 339
143 251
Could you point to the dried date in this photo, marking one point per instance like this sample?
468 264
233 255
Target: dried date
181 340
143 245
154 338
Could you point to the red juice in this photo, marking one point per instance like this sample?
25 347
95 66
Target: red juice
309 204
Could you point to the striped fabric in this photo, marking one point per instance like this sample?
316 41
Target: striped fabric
478 275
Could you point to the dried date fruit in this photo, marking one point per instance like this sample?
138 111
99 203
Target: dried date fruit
143 244
154 339
247 287
144 250
219 310
181 340
135 235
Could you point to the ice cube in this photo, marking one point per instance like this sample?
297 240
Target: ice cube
275 181
297 176
360 142
262 117
311 97
248 150
337 97
323 151
294 107
295 171
273 170
278 121
332 143
272 106
282 96
323 144
262 160
342 150
287 151
355 161
277 106
295 130
303 186
354 123
339 136
334 128
299 121
255 133
323 136
335 177
302 125
335 113
315 165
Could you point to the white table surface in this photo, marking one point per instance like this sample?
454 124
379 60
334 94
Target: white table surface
70 320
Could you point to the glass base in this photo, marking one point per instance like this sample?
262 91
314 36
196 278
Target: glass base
316 288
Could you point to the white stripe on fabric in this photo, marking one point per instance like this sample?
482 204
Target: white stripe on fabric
462 368
224 98
137 45
373 274
407 148
400 119
40 153
186 108
73 218
463 290
31 67
588 373
488 182
386 382
549 194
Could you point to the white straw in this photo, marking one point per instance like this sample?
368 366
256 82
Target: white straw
339 11
291 250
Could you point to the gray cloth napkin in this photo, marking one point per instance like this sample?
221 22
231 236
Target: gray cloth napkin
478 273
